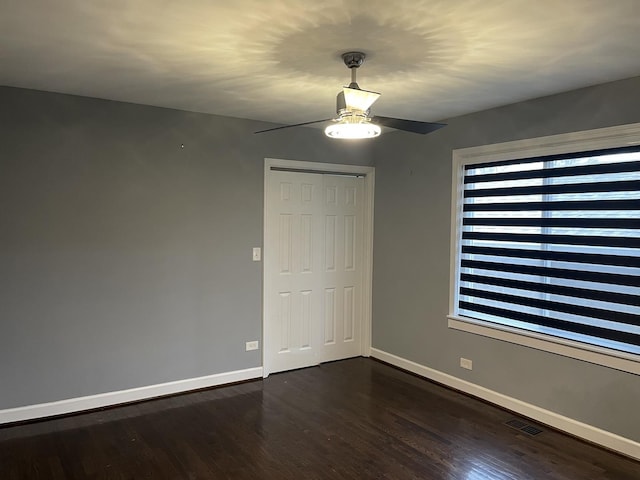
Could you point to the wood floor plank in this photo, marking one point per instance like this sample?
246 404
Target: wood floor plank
354 419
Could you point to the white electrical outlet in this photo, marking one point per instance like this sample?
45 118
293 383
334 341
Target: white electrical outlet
256 254
252 345
466 363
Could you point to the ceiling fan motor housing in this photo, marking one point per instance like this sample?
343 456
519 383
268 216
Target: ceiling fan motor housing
341 104
343 110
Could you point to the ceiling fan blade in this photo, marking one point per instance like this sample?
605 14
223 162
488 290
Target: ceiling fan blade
357 99
413 126
295 125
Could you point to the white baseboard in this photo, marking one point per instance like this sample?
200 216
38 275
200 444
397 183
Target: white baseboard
72 405
574 427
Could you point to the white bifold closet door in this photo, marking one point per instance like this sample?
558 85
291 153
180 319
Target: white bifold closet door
313 269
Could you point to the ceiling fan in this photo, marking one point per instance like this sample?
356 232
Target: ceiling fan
353 109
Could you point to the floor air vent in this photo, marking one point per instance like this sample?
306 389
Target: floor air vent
517 424
531 430
523 427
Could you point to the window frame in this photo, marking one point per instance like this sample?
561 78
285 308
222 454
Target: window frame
574 142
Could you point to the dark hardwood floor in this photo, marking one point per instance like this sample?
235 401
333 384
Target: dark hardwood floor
354 419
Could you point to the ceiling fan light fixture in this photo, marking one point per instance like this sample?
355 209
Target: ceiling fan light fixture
345 128
353 106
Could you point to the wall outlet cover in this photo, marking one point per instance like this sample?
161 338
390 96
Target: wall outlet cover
466 363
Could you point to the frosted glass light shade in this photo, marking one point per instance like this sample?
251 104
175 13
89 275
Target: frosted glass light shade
349 130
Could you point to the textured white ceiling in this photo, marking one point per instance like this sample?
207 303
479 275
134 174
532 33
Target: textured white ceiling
279 60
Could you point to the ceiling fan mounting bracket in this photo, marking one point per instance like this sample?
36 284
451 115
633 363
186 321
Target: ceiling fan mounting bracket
353 59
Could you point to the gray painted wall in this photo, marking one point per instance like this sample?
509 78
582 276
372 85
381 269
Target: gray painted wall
125 260
411 260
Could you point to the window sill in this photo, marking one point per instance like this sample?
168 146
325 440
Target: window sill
599 356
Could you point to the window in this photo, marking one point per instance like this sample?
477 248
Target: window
548 246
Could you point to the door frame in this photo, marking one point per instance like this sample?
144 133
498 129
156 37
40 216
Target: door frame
367 243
